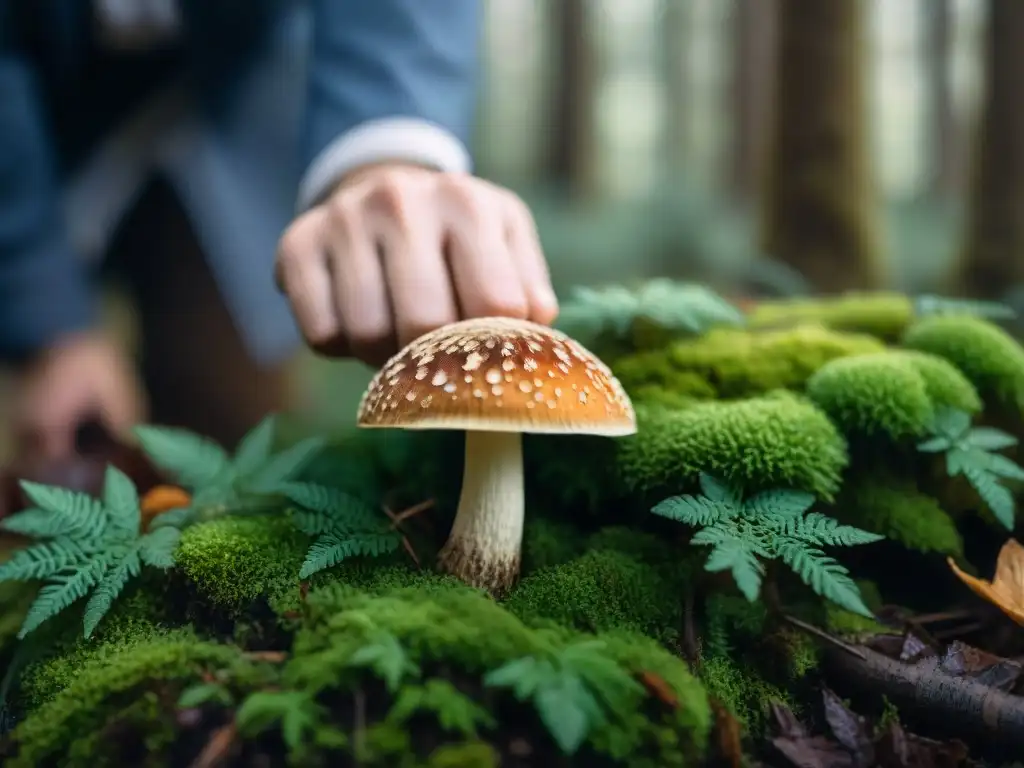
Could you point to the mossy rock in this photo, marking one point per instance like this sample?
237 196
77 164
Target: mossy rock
731 363
880 314
897 510
120 707
779 440
893 394
988 356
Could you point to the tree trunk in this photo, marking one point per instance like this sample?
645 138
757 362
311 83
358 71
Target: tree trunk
944 147
674 23
993 253
819 211
753 45
574 146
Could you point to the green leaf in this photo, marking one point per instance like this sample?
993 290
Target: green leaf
989 439
782 505
62 592
998 499
255 448
717 491
82 515
193 461
330 510
737 556
1003 467
453 710
37 523
296 712
691 510
121 501
330 549
522 675
108 590
204 693
563 706
824 575
284 466
951 423
935 445
819 529
159 547
48 558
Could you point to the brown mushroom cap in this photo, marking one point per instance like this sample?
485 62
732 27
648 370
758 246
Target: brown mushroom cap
500 375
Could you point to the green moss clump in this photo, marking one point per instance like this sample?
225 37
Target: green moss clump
234 561
841 622
740 363
945 384
602 590
897 510
873 395
63 731
547 543
988 356
880 314
775 441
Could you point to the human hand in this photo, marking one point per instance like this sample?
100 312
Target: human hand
397 251
80 378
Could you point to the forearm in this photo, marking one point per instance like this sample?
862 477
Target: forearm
44 293
390 81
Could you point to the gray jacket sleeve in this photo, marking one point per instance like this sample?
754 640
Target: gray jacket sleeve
44 290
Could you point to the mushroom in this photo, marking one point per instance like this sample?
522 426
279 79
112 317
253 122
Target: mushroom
495 378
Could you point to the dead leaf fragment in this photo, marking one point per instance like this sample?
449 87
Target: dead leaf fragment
160 499
1006 590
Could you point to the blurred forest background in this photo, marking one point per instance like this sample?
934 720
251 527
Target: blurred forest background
762 146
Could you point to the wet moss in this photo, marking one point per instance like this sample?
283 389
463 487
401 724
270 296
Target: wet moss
879 314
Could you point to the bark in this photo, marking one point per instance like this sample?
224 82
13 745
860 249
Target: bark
674 23
753 42
574 145
819 211
993 252
944 147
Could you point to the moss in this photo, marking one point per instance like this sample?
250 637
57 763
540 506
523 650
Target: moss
474 754
655 394
844 623
775 441
549 542
601 590
897 510
68 722
462 630
880 314
945 384
740 363
988 356
742 691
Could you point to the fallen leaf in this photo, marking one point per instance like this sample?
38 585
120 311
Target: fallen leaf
898 749
987 668
802 750
1006 590
849 729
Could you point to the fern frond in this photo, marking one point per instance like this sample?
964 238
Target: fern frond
822 574
109 588
326 509
121 502
254 449
692 510
283 466
719 492
80 513
48 558
820 530
734 553
777 507
39 523
63 590
997 498
330 549
157 548
1001 466
192 460
989 439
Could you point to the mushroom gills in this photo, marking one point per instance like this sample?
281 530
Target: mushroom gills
483 548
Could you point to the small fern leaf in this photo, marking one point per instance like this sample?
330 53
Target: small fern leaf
959 461
46 559
333 509
777 505
174 518
691 510
82 514
820 530
736 556
935 445
284 466
989 439
719 492
36 523
1001 466
951 423
823 574
121 501
109 589
997 498
62 592
254 449
159 547
330 549
192 460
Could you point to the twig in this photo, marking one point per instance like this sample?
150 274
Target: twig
397 518
950 705
275 657
938 618
822 635
217 748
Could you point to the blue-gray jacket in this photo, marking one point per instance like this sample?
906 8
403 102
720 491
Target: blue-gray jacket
267 105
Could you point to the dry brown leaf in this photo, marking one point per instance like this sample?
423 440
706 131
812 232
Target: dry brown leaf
160 499
1006 590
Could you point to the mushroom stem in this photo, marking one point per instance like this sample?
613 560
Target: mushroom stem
484 544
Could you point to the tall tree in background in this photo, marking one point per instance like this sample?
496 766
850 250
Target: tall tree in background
944 149
993 253
573 159
753 45
819 210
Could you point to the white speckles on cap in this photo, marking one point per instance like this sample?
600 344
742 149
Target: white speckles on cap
493 374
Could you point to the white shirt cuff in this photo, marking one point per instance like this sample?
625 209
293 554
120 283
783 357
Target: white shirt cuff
393 139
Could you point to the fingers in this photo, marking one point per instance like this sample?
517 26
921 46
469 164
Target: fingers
303 275
419 285
483 271
528 257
